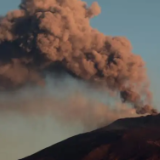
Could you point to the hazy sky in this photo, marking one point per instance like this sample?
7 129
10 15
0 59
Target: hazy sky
138 21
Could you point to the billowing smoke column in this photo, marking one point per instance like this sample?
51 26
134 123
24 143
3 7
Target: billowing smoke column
54 35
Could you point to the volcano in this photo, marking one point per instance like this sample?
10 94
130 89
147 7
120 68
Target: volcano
125 139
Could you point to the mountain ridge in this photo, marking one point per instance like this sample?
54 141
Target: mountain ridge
140 140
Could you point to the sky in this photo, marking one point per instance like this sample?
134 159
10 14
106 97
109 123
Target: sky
138 21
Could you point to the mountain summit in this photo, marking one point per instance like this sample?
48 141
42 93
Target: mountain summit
125 139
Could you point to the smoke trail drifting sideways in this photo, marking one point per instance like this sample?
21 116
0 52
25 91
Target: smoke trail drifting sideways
74 105
46 35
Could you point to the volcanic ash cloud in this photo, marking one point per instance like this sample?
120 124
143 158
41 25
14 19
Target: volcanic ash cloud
45 36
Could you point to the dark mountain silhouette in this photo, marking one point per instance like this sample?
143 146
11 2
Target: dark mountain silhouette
125 139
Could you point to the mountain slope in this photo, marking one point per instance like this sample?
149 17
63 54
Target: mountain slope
125 139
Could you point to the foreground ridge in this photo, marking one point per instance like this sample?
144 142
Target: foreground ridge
125 139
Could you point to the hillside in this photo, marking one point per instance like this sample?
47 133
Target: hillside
125 139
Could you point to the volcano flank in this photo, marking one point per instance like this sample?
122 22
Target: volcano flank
125 139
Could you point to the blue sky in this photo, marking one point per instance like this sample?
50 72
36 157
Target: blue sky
138 21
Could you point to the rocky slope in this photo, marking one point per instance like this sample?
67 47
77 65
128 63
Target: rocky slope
125 139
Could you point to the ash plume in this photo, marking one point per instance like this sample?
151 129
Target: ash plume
55 35
77 104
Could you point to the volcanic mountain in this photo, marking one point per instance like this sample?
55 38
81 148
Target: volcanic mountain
125 139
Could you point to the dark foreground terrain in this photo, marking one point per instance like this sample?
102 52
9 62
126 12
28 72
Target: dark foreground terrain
125 139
